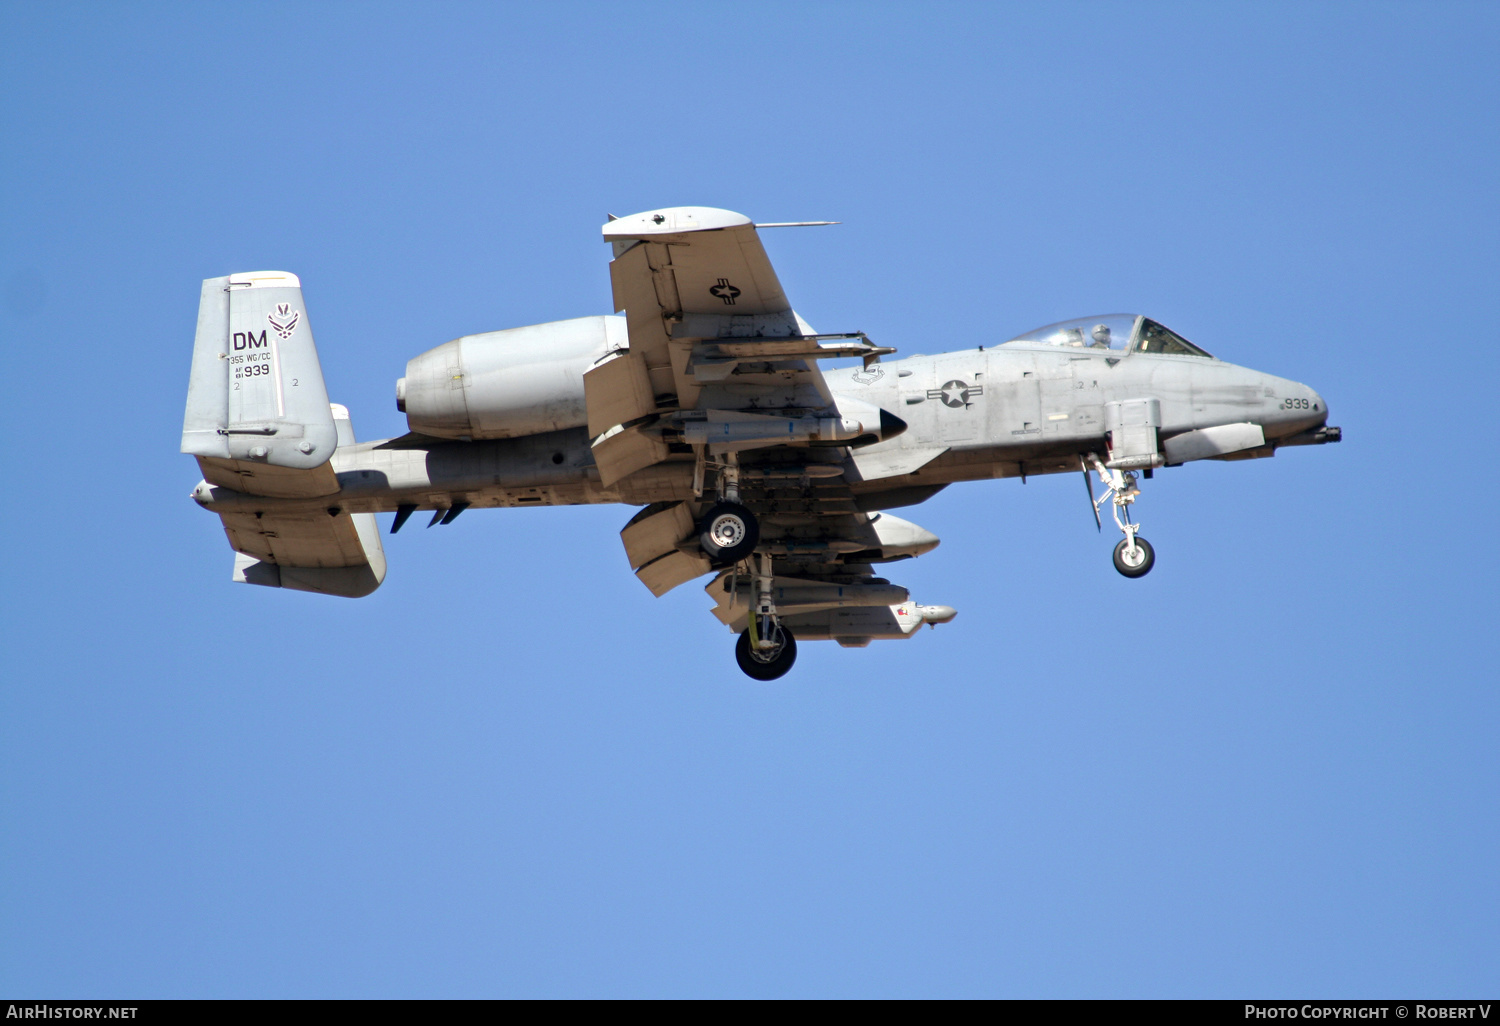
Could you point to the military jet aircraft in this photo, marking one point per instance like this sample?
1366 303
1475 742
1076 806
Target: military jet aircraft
704 405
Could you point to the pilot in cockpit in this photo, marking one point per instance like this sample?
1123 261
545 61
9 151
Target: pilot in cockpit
1101 336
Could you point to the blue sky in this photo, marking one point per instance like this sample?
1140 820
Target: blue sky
1268 768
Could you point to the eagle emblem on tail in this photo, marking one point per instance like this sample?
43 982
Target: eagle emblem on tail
287 322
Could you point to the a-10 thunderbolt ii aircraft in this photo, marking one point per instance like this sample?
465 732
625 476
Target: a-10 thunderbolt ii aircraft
705 405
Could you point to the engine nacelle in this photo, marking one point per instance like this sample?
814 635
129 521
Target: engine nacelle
503 384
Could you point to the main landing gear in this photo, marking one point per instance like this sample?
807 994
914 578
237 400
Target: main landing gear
766 663
728 532
766 650
1134 557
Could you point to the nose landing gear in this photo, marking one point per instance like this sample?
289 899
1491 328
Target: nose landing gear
1133 557
1136 560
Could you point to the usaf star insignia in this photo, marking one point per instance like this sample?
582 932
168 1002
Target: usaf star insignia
725 291
956 394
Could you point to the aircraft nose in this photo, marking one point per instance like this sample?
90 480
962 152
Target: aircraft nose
1291 407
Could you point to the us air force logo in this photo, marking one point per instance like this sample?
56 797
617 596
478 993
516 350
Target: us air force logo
284 320
869 375
956 394
725 291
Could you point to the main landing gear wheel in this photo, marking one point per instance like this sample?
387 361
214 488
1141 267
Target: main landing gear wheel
1136 563
766 664
729 533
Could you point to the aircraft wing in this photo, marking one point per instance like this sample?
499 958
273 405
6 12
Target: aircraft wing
712 339
721 371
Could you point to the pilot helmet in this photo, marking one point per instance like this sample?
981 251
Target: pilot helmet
1101 335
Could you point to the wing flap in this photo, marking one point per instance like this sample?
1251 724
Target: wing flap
617 391
636 285
622 451
664 574
655 531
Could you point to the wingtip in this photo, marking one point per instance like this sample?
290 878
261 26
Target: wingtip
672 221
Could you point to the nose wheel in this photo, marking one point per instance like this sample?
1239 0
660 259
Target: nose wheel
1134 556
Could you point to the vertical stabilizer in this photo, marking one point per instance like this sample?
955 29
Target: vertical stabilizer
257 410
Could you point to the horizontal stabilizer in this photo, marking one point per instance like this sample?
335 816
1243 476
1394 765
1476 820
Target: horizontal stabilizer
346 581
331 555
325 550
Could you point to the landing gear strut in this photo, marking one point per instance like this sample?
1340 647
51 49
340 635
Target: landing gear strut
766 650
729 532
1134 557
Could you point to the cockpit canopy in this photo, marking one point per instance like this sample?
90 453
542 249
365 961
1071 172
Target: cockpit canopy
1118 332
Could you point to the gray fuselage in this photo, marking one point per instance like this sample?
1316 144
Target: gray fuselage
1015 410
